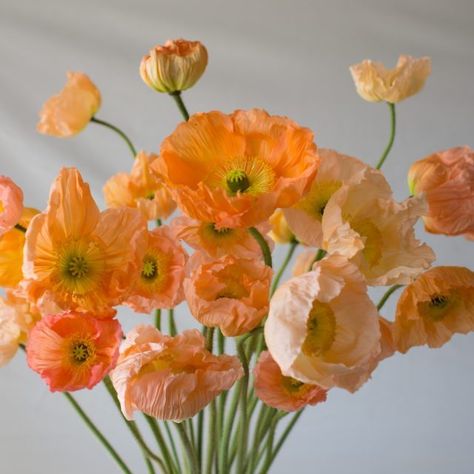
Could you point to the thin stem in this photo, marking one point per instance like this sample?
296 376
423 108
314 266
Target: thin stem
191 453
243 426
285 263
267 255
212 439
173 444
116 130
97 433
179 102
149 465
220 342
387 295
393 126
172 325
153 424
210 339
158 319
20 228
200 435
319 255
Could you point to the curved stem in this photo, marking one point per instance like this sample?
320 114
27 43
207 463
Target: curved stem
319 255
227 432
116 130
179 102
195 469
97 433
267 255
243 426
153 424
393 126
285 263
387 295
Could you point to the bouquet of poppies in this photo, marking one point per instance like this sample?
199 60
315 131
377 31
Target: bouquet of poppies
197 223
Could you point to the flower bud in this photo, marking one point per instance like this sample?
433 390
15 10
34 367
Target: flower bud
174 67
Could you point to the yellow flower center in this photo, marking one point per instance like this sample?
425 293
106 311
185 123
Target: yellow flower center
237 181
154 272
314 203
373 240
234 288
81 351
437 308
321 330
77 266
150 268
291 385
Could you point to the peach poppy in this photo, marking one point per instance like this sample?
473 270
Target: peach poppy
322 327
71 351
11 251
218 242
235 170
141 189
437 305
70 111
281 392
304 262
160 272
281 232
446 179
228 293
170 378
175 66
335 170
376 83
83 258
376 233
11 204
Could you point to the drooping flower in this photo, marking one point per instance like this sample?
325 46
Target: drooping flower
83 258
170 378
141 189
11 251
439 304
228 293
160 272
71 351
175 66
335 170
322 327
376 234
11 204
282 392
446 179
70 111
281 232
376 83
218 242
235 170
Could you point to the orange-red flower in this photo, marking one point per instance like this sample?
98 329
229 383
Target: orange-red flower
170 378
11 251
83 258
235 170
282 392
72 350
11 204
228 293
446 179
141 189
322 327
218 242
437 305
70 111
375 83
160 272
175 66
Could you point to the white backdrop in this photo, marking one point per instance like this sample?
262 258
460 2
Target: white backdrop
290 57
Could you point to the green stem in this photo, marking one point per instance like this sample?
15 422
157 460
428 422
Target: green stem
285 263
212 439
191 453
172 325
393 126
158 319
243 425
267 255
210 339
200 435
20 228
319 255
152 423
387 295
220 342
172 444
97 433
116 130
179 102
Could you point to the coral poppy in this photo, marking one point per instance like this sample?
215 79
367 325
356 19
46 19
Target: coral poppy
70 111
375 83
281 392
160 272
170 378
322 327
83 258
376 233
437 305
71 351
235 170
228 293
141 189
11 204
335 170
175 66
446 179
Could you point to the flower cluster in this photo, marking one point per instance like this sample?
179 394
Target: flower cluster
243 182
